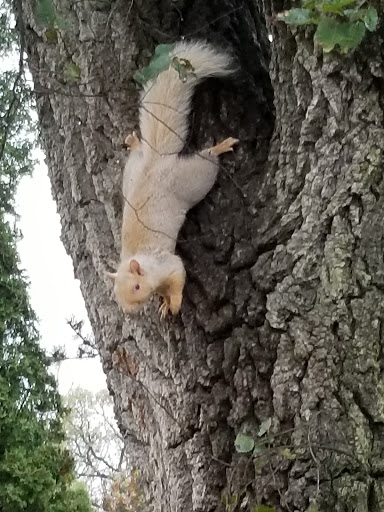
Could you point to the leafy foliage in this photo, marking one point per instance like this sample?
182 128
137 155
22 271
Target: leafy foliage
230 501
95 440
297 17
77 498
244 444
36 470
100 454
48 16
72 72
183 67
287 453
16 125
264 427
126 494
161 61
258 451
340 23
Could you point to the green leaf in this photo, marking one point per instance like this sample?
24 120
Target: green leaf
51 35
263 508
60 23
350 35
309 4
287 453
264 427
140 77
72 72
183 67
163 49
47 15
354 14
371 19
229 500
297 17
331 32
327 34
333 6
244 444
159 62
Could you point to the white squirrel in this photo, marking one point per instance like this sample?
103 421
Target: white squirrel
159 186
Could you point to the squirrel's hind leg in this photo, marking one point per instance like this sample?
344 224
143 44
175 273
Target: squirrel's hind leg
196 174
224 147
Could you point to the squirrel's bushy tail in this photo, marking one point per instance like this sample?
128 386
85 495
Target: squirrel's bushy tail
166 101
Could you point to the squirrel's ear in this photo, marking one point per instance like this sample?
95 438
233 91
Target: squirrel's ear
112 275
134 267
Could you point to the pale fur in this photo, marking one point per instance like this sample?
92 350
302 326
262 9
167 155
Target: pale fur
169 99
156 269
160 186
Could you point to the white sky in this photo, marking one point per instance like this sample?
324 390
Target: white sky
55 294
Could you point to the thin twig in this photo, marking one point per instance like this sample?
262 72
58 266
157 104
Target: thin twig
315 461
79 94
193 32
164 124
161 105
143 224
222 462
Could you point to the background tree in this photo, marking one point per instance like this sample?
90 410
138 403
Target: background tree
282 316
85 342
100 454
126 494
36 471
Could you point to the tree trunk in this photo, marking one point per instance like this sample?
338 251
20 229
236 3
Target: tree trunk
282 311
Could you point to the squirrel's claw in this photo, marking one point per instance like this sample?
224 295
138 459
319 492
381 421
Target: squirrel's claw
163 309
170 304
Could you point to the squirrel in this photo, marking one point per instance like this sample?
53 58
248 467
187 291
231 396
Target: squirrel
160 186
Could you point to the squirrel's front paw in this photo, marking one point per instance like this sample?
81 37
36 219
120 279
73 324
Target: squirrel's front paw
132 141
164 308
172 304
175 303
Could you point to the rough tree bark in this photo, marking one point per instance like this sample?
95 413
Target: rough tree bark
282 315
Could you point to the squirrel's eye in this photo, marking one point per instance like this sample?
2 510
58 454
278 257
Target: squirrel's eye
137 287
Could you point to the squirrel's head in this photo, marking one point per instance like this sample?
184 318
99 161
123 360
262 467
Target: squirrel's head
132 289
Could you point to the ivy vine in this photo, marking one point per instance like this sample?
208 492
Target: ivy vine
340 23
